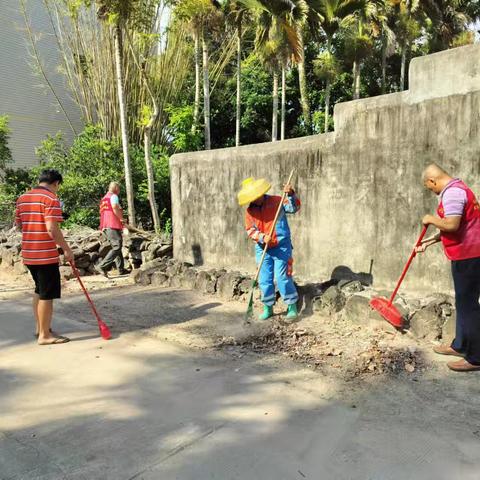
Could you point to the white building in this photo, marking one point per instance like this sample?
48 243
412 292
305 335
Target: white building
24 95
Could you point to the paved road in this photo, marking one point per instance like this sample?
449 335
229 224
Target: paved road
139 408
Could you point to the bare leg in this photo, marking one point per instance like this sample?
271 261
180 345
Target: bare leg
45 312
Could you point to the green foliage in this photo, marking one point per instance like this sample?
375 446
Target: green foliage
180 129
91 164
5 153
326 66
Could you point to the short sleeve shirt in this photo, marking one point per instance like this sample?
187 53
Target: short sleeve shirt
454 200
34 209
114 200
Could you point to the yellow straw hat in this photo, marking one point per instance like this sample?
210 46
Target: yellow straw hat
252 189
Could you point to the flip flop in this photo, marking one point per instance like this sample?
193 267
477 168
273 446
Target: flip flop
57 341
52 332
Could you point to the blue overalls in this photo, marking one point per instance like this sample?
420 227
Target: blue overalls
278 262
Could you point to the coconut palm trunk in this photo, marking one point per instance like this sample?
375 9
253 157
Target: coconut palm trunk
302 80
327 104
239 84
206 93
196 107
403 67
384 64
356 80
118 40
284 102
275 108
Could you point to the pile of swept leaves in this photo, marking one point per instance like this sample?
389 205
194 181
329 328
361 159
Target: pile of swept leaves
352 354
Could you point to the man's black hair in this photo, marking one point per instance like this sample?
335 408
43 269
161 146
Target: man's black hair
50 176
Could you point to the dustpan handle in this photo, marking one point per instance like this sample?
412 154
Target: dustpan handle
407 265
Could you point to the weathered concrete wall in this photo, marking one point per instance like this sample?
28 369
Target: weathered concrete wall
361 186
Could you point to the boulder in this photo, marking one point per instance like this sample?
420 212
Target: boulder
164 251
66 273
427 323
84 261
357 311
448 328
331 301
159 279
142 277
349 287
8 257
188 278
92 246
19 268
206 282
227 285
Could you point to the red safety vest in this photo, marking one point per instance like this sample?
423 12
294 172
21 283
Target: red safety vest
465 242
108 219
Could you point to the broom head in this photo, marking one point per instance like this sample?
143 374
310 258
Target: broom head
388 311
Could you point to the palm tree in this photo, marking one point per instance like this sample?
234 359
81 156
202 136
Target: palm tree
449 20
332 15
408 27
382 23
202 16
278 43
237 13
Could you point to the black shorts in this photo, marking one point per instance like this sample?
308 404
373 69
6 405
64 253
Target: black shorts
47 280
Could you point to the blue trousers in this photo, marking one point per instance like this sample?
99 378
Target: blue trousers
276 267
466 280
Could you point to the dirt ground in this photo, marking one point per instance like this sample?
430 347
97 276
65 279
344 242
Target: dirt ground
329 344
185 390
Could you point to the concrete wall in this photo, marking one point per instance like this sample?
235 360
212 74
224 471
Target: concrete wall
32 108
361 186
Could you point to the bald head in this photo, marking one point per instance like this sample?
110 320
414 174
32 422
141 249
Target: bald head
114 187
435 178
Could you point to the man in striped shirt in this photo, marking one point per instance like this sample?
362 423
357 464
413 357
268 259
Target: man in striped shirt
38 214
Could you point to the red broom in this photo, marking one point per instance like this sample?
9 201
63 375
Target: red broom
104 330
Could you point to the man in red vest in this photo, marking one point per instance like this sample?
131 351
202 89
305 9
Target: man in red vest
111 223
458 222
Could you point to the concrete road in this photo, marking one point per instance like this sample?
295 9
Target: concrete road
139 408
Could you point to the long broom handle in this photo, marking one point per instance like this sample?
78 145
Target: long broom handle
280 206
407 266
77 275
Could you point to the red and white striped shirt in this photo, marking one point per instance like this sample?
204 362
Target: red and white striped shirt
34 208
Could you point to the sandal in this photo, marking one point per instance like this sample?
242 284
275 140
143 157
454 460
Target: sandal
55 334
56 341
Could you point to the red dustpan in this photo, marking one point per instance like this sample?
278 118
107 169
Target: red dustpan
104 330
385 306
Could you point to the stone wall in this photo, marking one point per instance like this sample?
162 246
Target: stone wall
90 247
361 186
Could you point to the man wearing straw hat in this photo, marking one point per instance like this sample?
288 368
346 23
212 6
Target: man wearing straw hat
278 262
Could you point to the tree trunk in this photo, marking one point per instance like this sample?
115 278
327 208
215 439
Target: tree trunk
302 80
384 65
275 108
239 85
123 122
356 80
151 180
196 107
284 102
403 67
206 94
327 104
